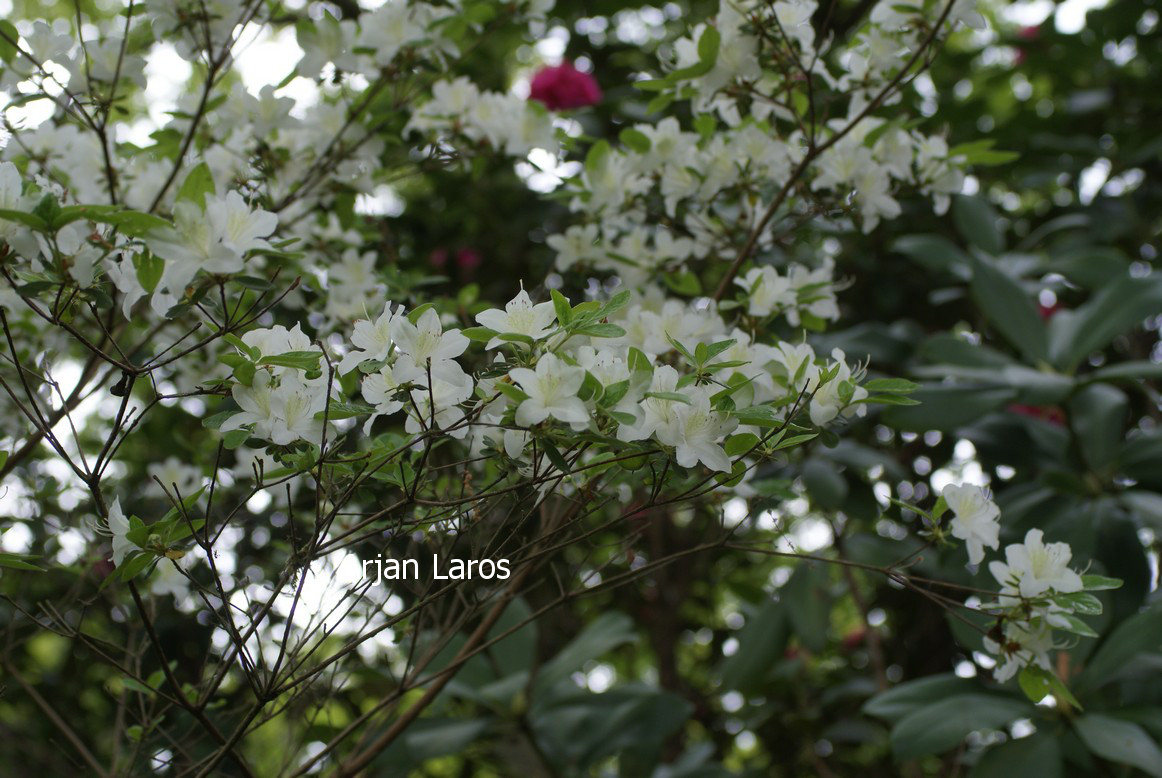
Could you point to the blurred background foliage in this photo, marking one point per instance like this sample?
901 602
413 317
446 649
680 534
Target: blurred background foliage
1030 313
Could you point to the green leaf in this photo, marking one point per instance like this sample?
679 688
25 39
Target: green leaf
19 562
935 252
684 283
198 183
1008 308
1098 414
705 125
1037 683
135 565
479 334
1117 307
708 45
740 444
27 219
635 139
1141 633
1098 583
554 455
561 306
48 209
511 391
981 153
419 311
639 362
9 38
133 223
137 686
946 407
672 396
1080 602
891 385
897 702
336 411
1120 741
808 604
888 399
1036 755
602 331
596 156
148 269
977 222
762 638
943 725
235 438
297 360
608 631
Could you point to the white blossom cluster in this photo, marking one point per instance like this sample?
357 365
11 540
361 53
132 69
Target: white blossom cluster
1039 592
647 369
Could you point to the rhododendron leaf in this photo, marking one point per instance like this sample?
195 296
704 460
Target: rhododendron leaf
615 304
198 183
149 269
479 334
135 565
1120 741
672 396
19 562
684 283
1097 583
345 411
889 399
978 222
510 391
943 725
415 314
554 455
1006 305
891 385
562 308
8 41
602 331
705 125
27 219
639 362
740 444
596 156
298 360
635 139
1037 682
235 438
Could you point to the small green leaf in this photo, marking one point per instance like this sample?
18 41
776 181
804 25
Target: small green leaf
198 183
635 139
1098 583
562 308
1037 683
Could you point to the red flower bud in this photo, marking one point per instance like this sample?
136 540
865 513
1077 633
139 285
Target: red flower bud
563 87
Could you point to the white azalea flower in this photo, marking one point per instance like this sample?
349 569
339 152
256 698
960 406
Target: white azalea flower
236 226
519 317
698 433
768 291
372 340
975 519
1036 567
116 526
552 389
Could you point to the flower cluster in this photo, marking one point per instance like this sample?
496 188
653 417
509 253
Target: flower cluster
1039 591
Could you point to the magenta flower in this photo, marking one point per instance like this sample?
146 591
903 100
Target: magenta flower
563 87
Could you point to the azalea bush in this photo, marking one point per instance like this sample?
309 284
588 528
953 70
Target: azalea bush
470 396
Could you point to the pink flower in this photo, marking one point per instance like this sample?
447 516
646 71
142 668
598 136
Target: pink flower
468 259
563 87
